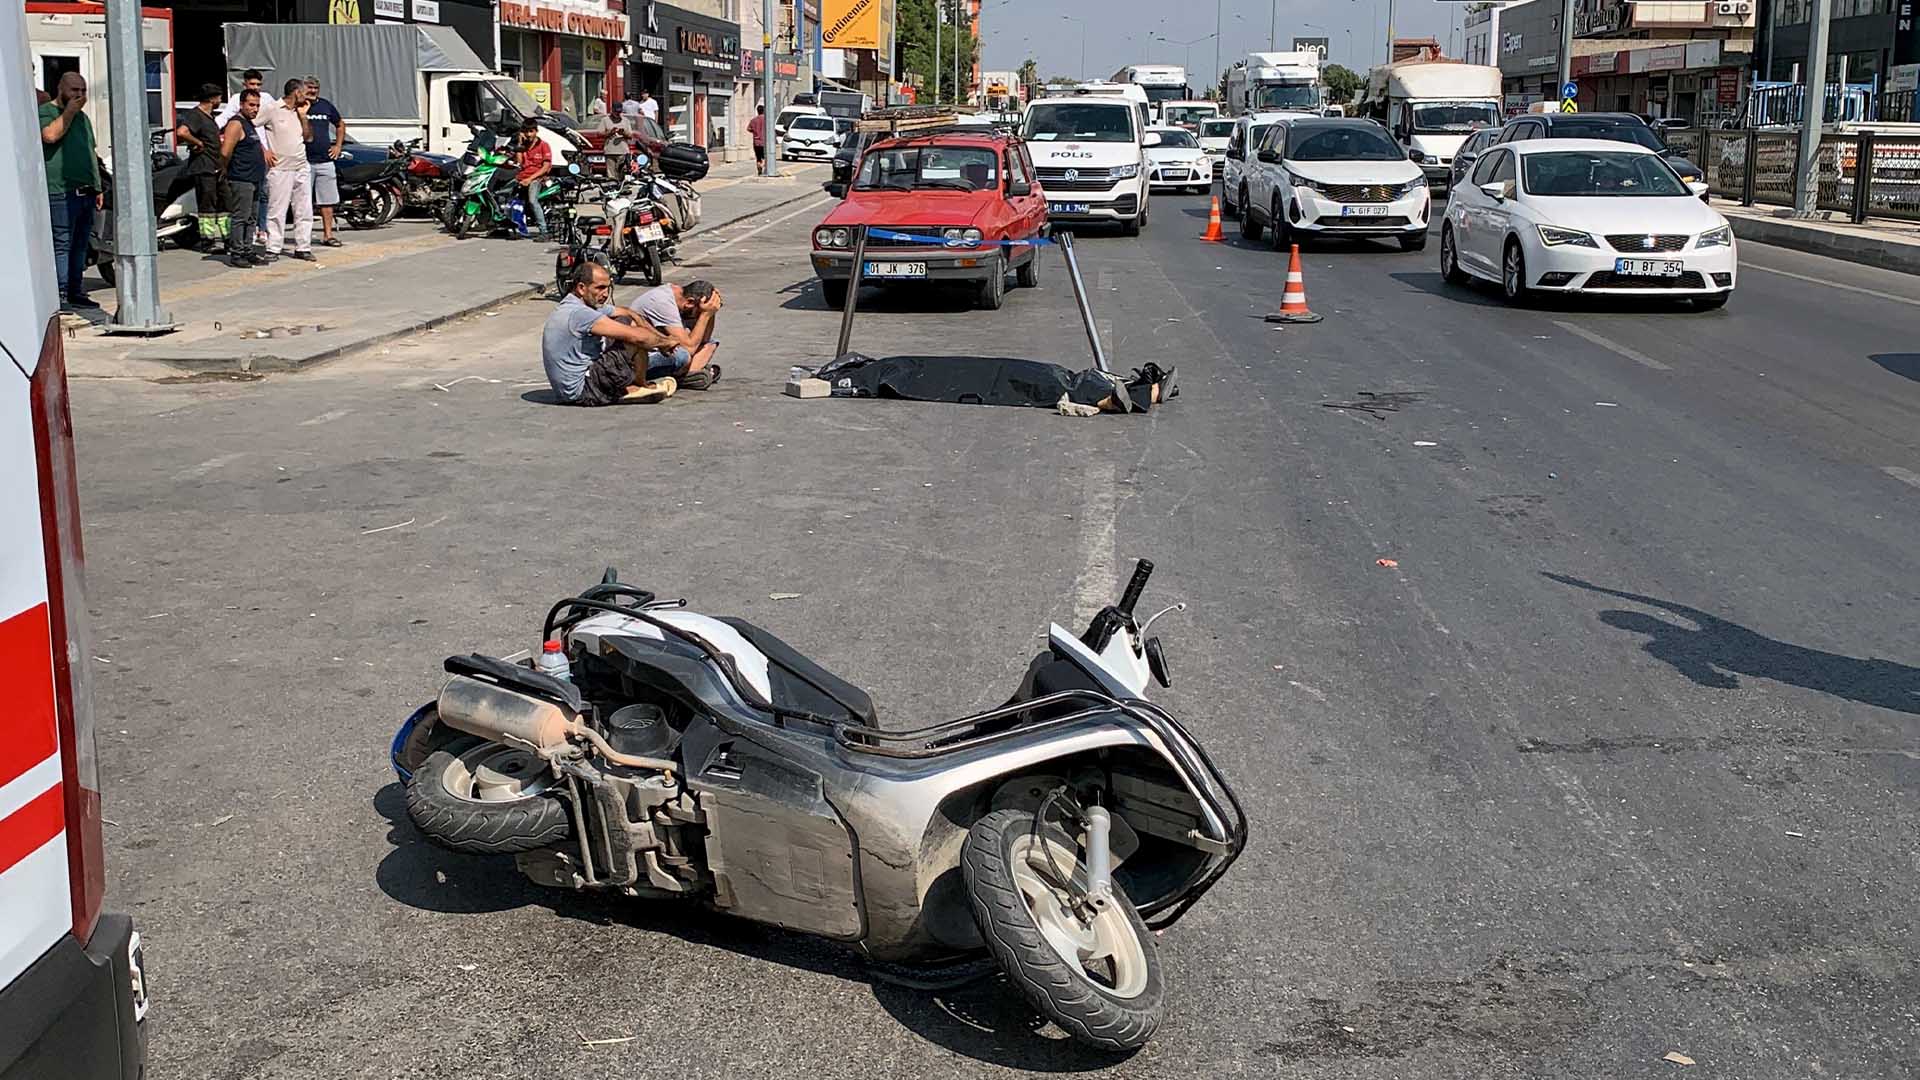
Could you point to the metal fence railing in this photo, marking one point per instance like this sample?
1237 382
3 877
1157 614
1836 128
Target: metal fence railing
1758 167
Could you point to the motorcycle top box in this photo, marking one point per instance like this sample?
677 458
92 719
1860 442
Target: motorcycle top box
658 752
684 161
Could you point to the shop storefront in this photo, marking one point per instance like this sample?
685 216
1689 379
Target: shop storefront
572 47
690 63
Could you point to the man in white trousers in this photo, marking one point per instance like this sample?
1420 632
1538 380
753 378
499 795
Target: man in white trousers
286 130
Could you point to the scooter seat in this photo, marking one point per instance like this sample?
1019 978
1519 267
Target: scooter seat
801 684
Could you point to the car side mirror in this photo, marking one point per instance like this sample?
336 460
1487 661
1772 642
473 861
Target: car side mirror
1019 188
1235 153
1698 187
1496 191
835 188
1151 138
1271 157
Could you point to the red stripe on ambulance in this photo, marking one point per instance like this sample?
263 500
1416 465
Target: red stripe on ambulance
27 732
28 829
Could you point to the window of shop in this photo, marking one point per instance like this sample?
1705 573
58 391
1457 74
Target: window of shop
158 112
520 55
719 116
679 119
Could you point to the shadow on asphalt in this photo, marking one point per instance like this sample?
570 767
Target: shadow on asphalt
1904 364
986 1020
878 299
1485 294
544 397
1713 651
1432 282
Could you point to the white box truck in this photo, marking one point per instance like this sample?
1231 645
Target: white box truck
396 81
1268 82
1431 106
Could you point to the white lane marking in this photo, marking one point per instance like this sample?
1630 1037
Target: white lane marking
325 417
1612 346
755 232
1093 589
195 472
1905 476
1835 285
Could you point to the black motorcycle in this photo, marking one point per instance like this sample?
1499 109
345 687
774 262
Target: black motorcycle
371 183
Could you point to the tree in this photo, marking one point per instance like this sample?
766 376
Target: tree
1029 72
914 21
1342 84
1062 80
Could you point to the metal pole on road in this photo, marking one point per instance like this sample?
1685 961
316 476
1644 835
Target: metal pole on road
1389 59
1806 171
136 248
1566 44
769 166
936 56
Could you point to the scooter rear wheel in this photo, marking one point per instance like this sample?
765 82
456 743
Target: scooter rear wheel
483 798
1097 975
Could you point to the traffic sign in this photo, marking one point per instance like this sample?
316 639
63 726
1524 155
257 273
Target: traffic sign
1569 106
1571 90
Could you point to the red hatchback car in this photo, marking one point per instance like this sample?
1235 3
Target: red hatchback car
949 198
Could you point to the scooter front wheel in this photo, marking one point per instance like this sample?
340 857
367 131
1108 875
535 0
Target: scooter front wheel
483 798
1096 973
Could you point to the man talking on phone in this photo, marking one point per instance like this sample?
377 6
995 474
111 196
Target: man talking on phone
73 185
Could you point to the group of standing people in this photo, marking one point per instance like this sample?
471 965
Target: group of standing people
265 160
256 162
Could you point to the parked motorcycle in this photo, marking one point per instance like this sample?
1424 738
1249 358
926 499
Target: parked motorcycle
429 180
657 752
621 228
176 208
370 185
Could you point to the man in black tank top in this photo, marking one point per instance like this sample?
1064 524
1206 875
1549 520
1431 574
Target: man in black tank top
246 169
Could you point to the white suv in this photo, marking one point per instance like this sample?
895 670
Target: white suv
1333 177
1248 132
1089 153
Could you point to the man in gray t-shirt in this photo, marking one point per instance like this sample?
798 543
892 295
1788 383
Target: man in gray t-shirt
588 344
686 315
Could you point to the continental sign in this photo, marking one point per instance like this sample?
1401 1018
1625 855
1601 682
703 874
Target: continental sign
580 20
850 24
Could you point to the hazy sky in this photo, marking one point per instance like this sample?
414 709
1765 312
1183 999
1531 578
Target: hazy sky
1121 32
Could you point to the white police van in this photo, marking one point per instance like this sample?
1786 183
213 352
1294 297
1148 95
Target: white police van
1089 145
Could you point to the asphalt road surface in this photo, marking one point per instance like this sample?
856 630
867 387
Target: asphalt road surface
1622 758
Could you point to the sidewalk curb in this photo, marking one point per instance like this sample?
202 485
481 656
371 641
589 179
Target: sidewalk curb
1887 254
186 363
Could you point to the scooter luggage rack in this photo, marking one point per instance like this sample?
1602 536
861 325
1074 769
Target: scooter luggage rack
1192 760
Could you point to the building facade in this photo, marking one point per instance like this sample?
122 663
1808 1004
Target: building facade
1873 36
567 51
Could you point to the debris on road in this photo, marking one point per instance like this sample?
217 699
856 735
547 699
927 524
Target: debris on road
1677 1058
1423 442
385 528
584 1041
1796 835
784 595
1391 564
221 820
1376 404
1608 404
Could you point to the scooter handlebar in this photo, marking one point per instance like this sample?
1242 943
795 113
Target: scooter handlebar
1142 570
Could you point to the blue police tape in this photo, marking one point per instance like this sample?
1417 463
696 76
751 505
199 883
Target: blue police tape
941 241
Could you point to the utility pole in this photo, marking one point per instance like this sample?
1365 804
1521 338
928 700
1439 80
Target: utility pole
1273 26
136 248
1216 45
803 47
959 20
1806 172
1566 45
936 53
771 166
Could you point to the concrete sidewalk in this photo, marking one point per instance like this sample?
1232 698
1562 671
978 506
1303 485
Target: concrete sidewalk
1884 242
385 283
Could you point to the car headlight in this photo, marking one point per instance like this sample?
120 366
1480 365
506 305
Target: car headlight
1301 181
1554 236
1720 237
1126 172
842 238
971 236
951 234
1417 182
823 238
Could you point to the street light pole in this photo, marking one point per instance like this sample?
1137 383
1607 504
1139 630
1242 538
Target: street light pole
1216 44
1806 172
936 54
1566 44
770 166
136 249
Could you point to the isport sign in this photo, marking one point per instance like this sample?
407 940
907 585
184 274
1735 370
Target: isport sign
850 24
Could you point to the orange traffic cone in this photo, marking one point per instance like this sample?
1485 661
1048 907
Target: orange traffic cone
1293 302
1213 234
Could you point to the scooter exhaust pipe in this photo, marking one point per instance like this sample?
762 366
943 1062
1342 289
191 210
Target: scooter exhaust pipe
501 715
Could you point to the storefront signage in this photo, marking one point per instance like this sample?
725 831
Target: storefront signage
1702 54
785 65
426 11
1671 58
540 92
577 18
390 9
1604 17
850 24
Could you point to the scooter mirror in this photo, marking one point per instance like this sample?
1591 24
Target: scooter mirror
1157 662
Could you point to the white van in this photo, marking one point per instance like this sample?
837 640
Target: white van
1088 145
73 999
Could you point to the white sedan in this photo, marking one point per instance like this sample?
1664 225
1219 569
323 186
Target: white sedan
1178 163
1588 216
813 137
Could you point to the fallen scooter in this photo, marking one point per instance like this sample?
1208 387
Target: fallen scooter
657 752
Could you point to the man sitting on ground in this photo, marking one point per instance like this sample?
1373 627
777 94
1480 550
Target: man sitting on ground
686 315
588 346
